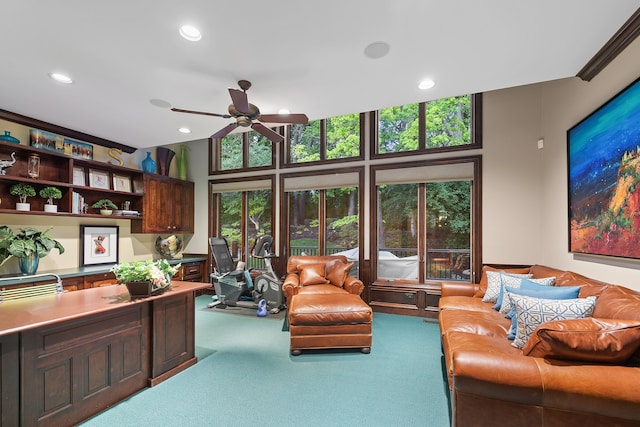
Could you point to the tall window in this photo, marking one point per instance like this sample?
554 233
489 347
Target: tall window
324 221
424 227
243 216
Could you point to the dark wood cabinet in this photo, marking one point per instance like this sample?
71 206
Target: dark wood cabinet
73 283
9 380
411 299
168 206
191 272
101 279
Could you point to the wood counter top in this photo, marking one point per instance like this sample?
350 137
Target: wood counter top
28 313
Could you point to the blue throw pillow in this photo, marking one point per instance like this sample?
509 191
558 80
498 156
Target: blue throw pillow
531 289
504 305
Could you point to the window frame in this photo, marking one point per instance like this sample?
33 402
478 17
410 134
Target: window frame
285 159
476 133
476 216
215 155
215 225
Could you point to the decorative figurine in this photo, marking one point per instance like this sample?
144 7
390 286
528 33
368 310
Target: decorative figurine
7 163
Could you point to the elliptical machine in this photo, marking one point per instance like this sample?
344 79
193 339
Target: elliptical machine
268 285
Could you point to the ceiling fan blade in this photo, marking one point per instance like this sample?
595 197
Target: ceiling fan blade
224 131
284 118
179 110
267 133
239 99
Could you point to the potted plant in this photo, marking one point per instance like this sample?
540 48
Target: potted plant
29 245
23 191
106 206
144 278
50 193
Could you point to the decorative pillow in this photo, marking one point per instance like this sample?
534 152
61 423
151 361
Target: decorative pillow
312 274
482 285
530 289
531 312
337 272
504 304
589 340
494 284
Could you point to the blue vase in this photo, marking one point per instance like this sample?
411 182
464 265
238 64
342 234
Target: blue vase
29 265
148 164
8 138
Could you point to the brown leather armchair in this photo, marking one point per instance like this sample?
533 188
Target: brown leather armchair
324 305
292 285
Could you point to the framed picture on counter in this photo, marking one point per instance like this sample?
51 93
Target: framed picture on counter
99 244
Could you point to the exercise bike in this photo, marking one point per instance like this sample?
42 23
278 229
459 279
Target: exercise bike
234 285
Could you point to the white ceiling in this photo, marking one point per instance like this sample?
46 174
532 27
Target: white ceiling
304 56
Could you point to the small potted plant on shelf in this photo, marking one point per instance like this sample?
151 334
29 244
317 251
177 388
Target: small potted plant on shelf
50 193
106 206
23 191
29 245
145 278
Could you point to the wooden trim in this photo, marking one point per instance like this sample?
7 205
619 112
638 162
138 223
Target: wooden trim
616 44
50 127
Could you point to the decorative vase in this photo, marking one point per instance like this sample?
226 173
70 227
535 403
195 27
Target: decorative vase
148 164
182 162
29 264
50 208
165 155
8 138
23 206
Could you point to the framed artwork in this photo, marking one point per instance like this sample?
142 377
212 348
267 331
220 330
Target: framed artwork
59 144
99 244
78 176
121 183
98 179
603 155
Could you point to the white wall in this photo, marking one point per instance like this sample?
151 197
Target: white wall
525 189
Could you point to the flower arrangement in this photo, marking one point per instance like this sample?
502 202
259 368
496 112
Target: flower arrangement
159 272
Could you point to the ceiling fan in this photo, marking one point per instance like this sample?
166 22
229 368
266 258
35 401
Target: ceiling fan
245 114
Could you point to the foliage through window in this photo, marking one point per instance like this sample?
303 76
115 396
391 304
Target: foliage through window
238 151
441 123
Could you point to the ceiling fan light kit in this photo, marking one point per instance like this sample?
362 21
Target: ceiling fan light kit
248 115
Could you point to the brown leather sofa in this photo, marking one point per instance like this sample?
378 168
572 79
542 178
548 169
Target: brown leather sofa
492 383
324 305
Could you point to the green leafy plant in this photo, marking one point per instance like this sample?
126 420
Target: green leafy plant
159 272
22 190
27 242
104 204
50 193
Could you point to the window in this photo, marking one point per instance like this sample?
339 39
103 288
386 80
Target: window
240 151
324 219
243 215
424 221
446 123
335 138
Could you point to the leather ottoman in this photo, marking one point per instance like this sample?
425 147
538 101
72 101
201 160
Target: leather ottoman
333 320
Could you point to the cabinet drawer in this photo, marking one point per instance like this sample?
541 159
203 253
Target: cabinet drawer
191 272
102 279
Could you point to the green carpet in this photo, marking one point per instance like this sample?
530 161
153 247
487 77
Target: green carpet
245 376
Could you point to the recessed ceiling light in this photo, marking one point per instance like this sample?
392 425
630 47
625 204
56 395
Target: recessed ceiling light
377 50
190 33
184 130
426 84
62 78
284 111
